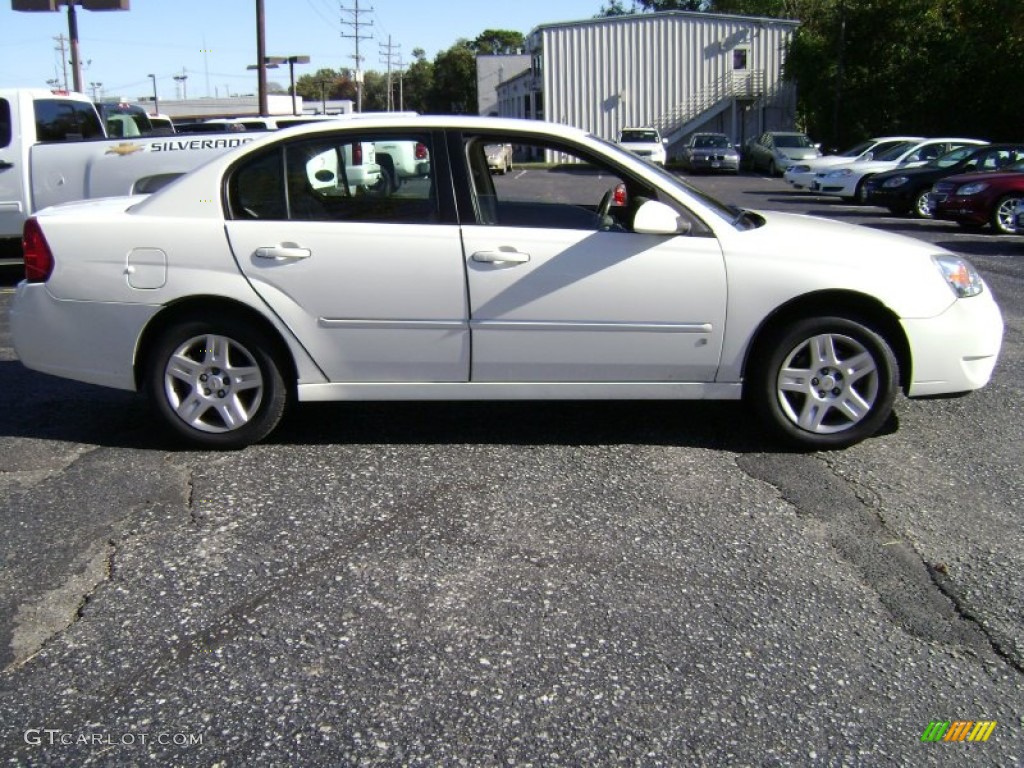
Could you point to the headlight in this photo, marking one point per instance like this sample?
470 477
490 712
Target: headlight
972 189
895 181
799 168
960 274
842 173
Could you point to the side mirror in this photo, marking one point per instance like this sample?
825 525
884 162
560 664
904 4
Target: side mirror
654 218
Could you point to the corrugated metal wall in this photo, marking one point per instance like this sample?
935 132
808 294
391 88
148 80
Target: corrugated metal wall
604 74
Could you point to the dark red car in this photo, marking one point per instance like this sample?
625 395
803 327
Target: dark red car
973 200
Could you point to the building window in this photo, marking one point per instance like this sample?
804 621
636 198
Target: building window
739 59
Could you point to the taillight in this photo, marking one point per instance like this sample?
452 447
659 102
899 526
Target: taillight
38 258
421 151
357 154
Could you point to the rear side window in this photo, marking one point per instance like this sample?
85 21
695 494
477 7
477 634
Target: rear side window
5 123
60 120
366 177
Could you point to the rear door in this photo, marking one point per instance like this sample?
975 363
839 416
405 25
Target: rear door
371 280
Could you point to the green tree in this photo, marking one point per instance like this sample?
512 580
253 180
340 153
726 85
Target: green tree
326 83
418 83
496 41
454 88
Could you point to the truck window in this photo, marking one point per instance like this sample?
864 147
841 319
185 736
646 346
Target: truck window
5 123
60 120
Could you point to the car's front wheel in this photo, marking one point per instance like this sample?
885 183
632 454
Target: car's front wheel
922 207
1002 215
824 383
216 383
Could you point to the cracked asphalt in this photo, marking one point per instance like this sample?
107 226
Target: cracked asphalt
552 584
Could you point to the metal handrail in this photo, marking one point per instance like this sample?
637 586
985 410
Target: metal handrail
729 86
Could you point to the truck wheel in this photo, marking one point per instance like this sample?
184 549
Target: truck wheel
217 384
823 382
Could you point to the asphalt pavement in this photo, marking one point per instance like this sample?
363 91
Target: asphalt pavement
546 584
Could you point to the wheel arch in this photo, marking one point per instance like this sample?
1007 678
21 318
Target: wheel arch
835 303
207 308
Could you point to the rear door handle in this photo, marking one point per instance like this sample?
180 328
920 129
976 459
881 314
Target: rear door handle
4 165
501 257
284 251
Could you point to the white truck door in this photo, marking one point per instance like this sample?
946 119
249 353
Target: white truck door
12 175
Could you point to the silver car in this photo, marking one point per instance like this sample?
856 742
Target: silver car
710 152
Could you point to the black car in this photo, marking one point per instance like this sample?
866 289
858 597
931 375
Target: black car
905 190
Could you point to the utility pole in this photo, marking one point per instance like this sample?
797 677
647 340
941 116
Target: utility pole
261 57
63 57
388 57
356 23
181 80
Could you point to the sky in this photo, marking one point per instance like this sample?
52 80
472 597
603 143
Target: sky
212 42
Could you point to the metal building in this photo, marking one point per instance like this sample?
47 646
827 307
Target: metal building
678 71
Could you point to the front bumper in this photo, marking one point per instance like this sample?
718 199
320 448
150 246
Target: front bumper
956 351
973 210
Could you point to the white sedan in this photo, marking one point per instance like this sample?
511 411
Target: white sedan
247 284
801 175
848 181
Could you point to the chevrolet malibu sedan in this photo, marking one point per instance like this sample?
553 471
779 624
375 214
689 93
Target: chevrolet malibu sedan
973 200
264 278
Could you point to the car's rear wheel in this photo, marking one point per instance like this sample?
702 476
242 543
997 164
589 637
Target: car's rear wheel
1002 215
217 384
824 382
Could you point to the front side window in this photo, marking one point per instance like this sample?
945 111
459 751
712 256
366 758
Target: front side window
368 177
563 188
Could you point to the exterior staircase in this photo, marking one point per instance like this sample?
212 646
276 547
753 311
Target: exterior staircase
717 97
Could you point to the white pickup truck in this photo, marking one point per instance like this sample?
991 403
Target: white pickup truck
54 149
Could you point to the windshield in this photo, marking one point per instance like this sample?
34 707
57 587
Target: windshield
713 142
894 153
858 149
793 141
640 137
952 158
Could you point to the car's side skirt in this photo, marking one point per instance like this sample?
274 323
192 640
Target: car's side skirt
514 391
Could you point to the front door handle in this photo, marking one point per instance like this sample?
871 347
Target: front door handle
284 251
501 257
4 165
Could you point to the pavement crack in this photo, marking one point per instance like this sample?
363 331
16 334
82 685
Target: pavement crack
52 613
855 526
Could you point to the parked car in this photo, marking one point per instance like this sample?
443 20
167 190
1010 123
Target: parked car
774 151
499 157
973 200
907 190
848 181
800 175
644 142
604 277
710 152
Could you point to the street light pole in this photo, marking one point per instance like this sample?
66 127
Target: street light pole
156 101
261 54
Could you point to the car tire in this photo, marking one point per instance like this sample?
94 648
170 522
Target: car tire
823 383
772 170
217 384
1002 214
860 195
920 208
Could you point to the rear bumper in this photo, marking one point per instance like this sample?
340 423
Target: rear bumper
87 341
